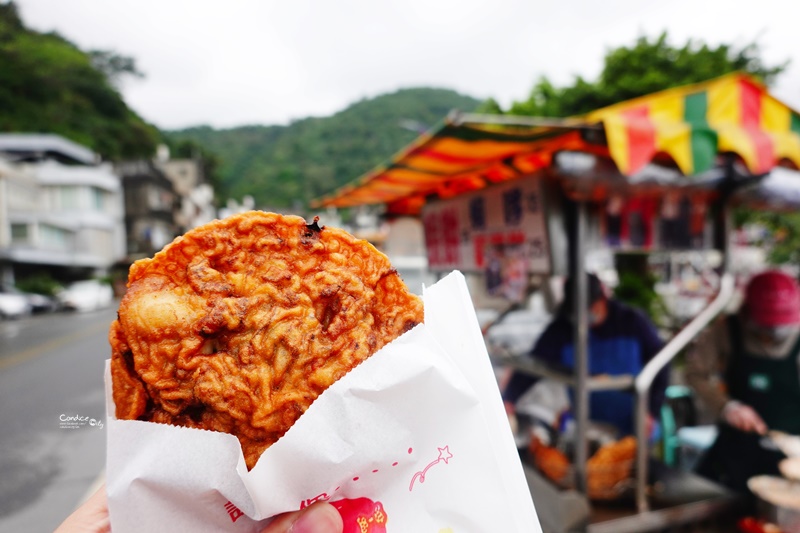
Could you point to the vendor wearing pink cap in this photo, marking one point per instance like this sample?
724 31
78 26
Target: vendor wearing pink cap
746 370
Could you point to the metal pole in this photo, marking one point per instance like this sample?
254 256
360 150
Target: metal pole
581 336
648 374
644 380
513 120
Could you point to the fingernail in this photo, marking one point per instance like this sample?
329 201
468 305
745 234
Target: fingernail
319 518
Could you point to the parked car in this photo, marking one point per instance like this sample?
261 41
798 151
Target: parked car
38 303
12 304
86 295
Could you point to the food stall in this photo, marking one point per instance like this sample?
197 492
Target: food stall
658 172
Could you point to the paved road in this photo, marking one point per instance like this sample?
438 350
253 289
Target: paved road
51 369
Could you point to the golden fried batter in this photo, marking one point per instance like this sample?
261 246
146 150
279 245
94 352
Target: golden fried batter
237 326
611 465
606 471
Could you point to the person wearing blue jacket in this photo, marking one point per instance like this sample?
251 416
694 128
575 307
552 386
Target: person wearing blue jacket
621 341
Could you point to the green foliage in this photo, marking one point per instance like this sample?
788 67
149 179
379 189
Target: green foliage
783 233
639 291
40 283
282 165
646 67
48 85
489 107
113 65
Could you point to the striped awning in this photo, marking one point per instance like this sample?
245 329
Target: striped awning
690 124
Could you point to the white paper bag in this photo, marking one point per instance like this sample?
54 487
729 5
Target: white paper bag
415 439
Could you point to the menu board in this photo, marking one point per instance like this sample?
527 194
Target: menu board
674 220
500 230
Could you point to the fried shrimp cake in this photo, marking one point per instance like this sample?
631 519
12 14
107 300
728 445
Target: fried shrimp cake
237 326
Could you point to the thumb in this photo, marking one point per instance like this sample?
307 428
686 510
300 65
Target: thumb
321 517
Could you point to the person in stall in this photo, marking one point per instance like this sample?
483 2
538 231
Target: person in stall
744 369
622 340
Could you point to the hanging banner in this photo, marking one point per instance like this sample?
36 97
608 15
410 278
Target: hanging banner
500 231
675 220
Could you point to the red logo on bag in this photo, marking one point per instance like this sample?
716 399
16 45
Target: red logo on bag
234 512
362 515
321 498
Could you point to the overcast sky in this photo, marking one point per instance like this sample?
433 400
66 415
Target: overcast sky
232 62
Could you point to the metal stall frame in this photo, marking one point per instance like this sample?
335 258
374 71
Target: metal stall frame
469 152
583 384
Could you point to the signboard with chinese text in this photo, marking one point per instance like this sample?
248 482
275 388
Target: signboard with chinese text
500 230
673 220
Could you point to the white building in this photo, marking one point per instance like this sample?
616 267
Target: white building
60 211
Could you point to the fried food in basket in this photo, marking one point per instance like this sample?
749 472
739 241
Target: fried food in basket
239 325
551 462
609 466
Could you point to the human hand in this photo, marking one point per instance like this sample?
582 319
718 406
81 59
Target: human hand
743 417
90 517
321 517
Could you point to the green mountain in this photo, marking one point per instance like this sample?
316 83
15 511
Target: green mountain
283 165
48 85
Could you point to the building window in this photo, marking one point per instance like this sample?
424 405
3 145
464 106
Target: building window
19 233
68 198
98 199
53 238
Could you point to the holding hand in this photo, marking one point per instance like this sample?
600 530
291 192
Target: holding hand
321 517
743 417
92 517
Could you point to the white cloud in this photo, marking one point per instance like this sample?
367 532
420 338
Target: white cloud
268 62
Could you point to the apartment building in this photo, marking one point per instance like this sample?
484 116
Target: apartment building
61 212
151 203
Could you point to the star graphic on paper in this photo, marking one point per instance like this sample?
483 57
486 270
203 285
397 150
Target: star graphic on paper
444 454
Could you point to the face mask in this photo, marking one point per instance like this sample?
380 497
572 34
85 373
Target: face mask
773 335
781 334
592 317
774 341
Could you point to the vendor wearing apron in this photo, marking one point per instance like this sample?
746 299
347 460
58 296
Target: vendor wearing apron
746 370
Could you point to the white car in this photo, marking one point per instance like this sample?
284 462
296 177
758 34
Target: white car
38 303
86 295
13 305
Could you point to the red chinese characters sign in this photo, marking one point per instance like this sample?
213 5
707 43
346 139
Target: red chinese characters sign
468 231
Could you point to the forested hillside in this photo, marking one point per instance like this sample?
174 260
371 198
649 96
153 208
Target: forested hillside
282 165
48 85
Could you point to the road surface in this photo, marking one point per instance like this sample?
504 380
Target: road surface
52 415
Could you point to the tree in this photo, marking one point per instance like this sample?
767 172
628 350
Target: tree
47 84
783 233
113 65
646 67
489 107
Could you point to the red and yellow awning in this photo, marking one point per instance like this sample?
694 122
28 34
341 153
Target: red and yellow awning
691 125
